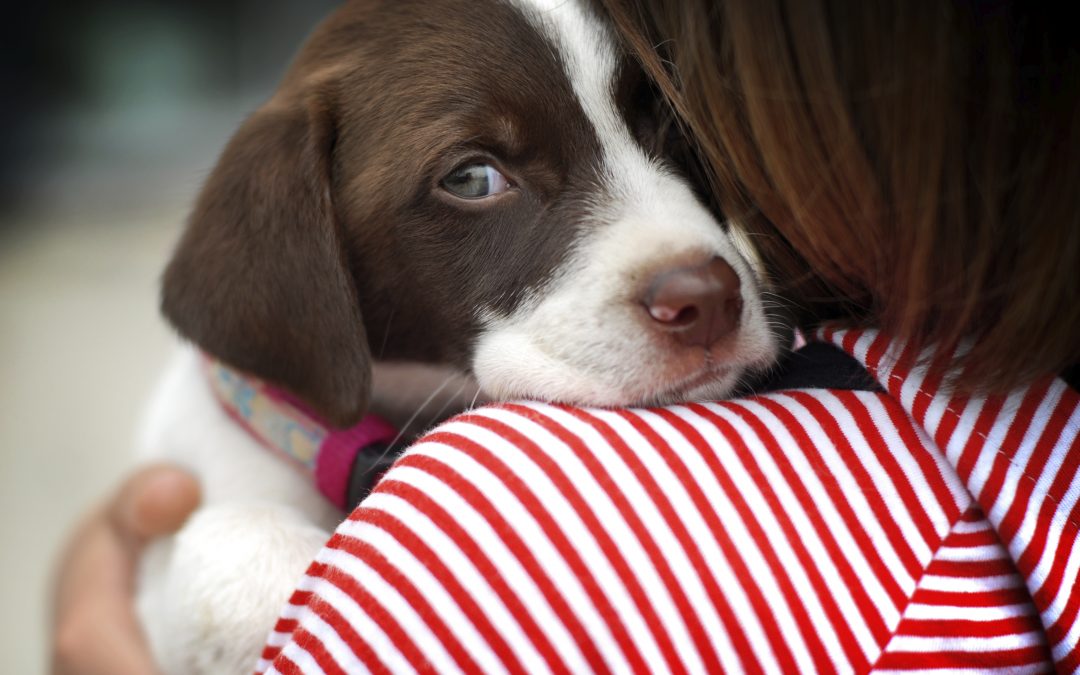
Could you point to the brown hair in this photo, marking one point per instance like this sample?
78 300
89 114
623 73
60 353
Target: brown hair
914 166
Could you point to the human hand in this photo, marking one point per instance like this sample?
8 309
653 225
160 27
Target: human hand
95 631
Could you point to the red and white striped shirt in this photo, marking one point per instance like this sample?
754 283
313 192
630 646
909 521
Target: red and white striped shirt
811 530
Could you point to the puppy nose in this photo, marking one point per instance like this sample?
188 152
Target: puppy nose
698 305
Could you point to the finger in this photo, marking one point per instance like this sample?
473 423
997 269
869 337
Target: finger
95 630
153 502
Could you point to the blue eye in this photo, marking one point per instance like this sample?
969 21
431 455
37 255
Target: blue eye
475 181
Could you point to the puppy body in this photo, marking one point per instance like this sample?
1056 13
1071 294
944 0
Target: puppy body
475 184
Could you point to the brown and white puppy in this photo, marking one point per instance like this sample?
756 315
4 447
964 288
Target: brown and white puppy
473 183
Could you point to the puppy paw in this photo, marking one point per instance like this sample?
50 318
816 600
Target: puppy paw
210 595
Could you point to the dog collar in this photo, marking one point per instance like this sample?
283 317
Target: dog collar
344 463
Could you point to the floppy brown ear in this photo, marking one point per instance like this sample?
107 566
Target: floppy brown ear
260 278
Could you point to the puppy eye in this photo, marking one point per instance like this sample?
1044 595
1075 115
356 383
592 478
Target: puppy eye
475 181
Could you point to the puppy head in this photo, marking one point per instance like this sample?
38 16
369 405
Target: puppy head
472 182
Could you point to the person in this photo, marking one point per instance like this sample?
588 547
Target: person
911 173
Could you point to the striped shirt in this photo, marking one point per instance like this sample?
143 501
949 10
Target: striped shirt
806 530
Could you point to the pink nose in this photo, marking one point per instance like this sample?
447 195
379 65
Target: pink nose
698 305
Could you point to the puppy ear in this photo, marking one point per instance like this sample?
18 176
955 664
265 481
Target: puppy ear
260 278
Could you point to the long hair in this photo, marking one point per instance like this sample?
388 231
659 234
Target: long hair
909 165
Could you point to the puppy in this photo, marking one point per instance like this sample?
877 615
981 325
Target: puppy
477 184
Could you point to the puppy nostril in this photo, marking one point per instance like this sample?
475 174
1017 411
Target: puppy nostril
698 305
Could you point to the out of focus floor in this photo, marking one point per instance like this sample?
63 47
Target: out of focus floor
81 345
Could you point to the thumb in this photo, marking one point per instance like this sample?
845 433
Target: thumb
153 502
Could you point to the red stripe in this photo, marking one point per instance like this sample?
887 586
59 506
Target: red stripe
393 577
971 568
902 369
555 533
870 612
822 590
879 346
678 528
850 339
627 511
981 537
300 598
744 577
285 625
1017 595
317 650
284 665
949 419
1015 625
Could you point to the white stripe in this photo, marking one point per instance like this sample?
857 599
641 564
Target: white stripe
341 653
964 430
939 404
263 667
748 486
972 553
910 386
918 479
303 660
929 612
277 639
566 582
599 504
821 501
941 400
862 347
996 643
972 526
447 609
291 611
934 582
386 650
624 480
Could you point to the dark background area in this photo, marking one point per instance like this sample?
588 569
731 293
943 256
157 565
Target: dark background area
105 97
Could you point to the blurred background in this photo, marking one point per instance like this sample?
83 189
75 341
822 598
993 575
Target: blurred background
113 112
